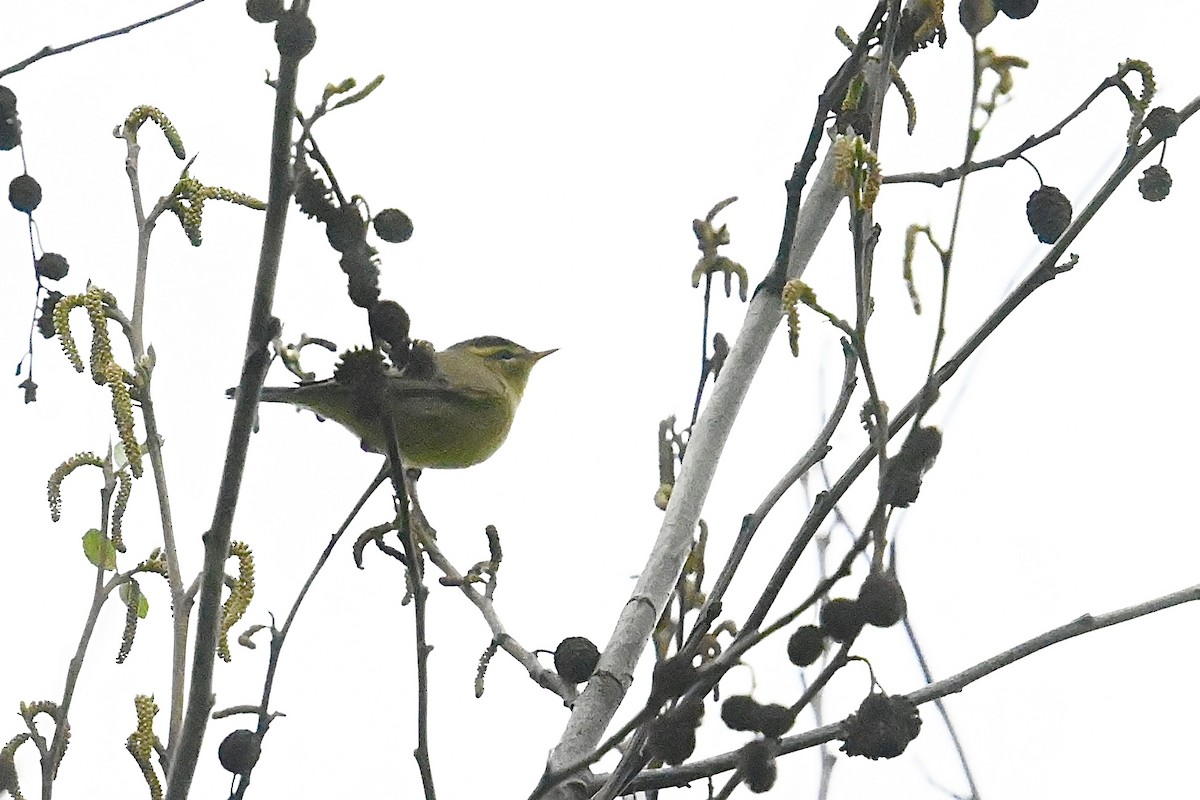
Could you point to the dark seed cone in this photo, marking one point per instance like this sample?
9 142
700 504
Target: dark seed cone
52 266
1049 213
975 15
672 739
575 659
45 322
1155 183
264 10
239 751
902 477
882 727
313 196
806 645
841 619
25 193
363 372
393 225
1016 9
346 230
739 712
671 678
389 322
881 600
756 761
774 720
295 35
1162 121
10 125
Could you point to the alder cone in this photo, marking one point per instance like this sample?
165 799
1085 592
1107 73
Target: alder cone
1049 213
1016 9
1155 183
881 600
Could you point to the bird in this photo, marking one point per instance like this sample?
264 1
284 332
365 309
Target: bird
456 419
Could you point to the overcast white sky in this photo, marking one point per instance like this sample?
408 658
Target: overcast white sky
553 158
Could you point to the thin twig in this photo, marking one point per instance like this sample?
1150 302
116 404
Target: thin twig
53 755
704 362
946 257
48 51
414 567
944 176
279 637
181 605
546 678
941 709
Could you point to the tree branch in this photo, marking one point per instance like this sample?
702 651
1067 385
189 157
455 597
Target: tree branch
48 51
254 370
948 174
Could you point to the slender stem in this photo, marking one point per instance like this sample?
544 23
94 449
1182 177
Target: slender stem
947 255
948 174
546 678
415 572
941 709
828 760
48 51
704 362
279 637
58 744
181 607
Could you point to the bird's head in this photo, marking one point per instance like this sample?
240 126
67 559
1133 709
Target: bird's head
510 362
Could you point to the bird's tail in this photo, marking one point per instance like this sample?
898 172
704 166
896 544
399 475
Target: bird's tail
276 394
269 394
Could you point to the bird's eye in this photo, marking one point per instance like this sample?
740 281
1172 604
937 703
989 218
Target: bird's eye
506 355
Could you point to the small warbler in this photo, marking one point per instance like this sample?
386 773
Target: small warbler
453 420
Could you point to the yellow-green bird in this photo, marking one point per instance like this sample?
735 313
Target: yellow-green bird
453 420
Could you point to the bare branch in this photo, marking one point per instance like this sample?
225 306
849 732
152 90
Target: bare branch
48 51
948 174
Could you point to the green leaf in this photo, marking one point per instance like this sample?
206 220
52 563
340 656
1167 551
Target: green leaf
99 550
143 605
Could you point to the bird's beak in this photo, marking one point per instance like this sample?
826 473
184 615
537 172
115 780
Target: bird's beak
536 357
